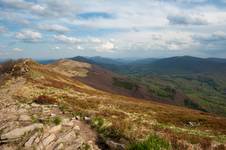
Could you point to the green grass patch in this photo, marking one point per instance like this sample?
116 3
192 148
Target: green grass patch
153 142
105 130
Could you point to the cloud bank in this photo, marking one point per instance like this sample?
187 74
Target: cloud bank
130 28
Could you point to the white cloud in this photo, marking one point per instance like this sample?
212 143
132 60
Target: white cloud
106 47
28 36
154 41
89 43
145 25
80 47
17 50
45 8
217 36
56 48
14 17
66 39
54 28
23 5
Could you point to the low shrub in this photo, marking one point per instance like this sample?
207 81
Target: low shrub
43 99
56 120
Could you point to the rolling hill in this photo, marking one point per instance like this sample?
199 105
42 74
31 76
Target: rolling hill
198 83
53 98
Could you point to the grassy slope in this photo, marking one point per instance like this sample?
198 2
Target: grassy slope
123 117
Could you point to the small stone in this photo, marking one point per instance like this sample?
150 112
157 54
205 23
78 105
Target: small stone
191 124
77 128
114 145
87 119
77 117
53 115
49 139
55 129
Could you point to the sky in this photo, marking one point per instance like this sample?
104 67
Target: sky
49 29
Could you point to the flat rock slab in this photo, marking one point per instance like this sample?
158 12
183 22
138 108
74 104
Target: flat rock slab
19 132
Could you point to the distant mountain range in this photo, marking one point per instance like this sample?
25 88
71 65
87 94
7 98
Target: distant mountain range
172 65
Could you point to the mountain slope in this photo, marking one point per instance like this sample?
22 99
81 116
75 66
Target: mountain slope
192 82
105 80
119 120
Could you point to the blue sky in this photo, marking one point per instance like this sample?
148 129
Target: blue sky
44 29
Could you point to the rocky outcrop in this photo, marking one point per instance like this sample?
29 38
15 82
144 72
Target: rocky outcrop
42 127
